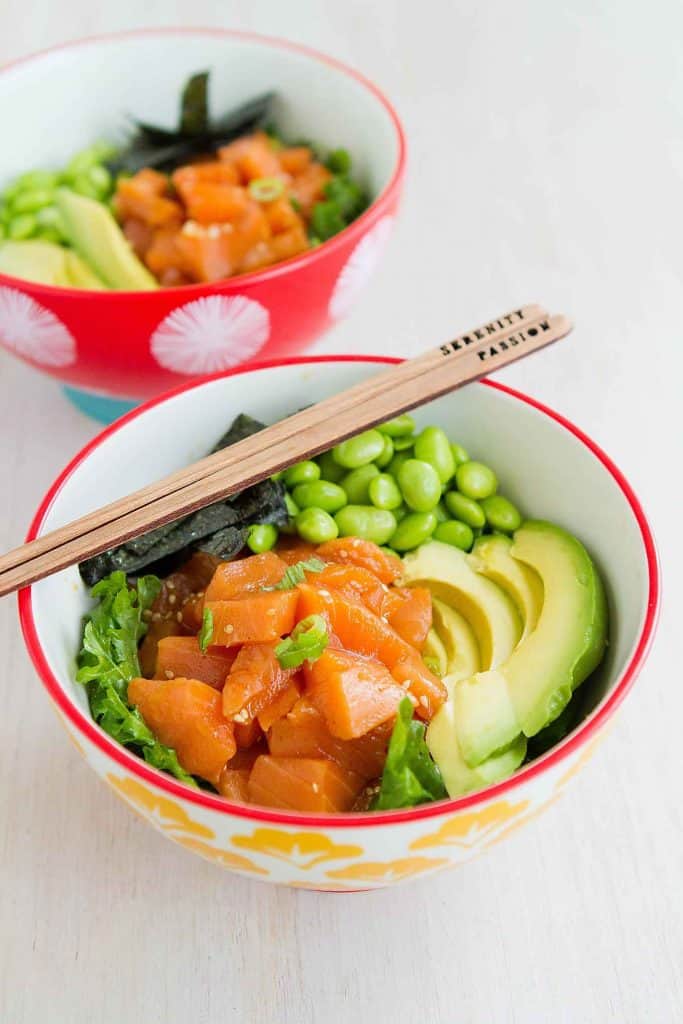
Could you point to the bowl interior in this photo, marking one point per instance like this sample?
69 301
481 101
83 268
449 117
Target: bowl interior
542 466
88 89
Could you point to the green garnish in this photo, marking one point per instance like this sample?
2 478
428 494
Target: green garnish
265 190
109 660
296 205
296 573
339 161
306 642
206 632
410 775
433 665
344 200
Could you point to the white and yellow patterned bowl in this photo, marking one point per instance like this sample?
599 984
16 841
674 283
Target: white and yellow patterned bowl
545 464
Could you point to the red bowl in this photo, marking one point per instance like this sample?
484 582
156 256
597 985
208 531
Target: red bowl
133 345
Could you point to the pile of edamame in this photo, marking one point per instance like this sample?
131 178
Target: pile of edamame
395 487
27 207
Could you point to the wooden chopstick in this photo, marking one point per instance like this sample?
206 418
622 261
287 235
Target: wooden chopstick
399 389
258 443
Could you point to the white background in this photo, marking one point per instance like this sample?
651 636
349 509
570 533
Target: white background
546 160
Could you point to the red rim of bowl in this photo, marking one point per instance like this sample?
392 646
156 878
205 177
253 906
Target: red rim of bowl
588 728
255 277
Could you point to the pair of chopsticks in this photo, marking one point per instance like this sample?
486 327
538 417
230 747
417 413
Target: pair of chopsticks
466 358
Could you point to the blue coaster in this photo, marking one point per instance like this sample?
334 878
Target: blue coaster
99 407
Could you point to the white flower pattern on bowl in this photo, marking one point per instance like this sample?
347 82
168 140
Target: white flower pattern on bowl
359 268
34 332
210 334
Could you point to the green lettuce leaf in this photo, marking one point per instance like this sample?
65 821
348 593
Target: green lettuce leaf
410 775
109 660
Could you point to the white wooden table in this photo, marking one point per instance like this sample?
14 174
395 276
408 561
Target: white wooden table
546 164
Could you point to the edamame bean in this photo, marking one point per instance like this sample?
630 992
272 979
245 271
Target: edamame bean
432 446
364 521
357 483
320 494
316 526
384 492
48 235
400 513
302 473
84 187
100 177
262 537
385 457
82 161
292 507
420 485
413 530
475 480
50 217
465 509
22 227
441 513
359 450
501 514
453 532
37 179
402 444
399 426
459 454
397 461
329 469
32 199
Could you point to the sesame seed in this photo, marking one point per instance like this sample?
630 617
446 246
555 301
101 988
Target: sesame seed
147 615
316 787
324 593
271 611
169 674
424 702
179 616
214 231
156 617
172 598
170 585
229 629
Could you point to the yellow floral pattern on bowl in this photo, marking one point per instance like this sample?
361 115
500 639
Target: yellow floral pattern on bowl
389 871
225 858
469 829
168 815
305 850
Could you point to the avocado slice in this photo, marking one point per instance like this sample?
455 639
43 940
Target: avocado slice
97 238
492 557
435 650
462 652
536 682
46 263
458 777
445 570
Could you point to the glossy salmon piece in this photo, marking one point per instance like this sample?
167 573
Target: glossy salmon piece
353 694
181 656
302 784
185 714
295 159
211 203
255 680
362 631
292 549
258 618
303 733
412 617
245 575
280 705
354 551
186 179
247 734
233 780
308 187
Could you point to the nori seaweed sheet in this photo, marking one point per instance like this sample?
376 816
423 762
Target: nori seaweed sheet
219 529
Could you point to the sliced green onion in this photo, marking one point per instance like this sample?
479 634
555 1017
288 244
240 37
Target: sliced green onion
206 632
296 573
265 190
306 642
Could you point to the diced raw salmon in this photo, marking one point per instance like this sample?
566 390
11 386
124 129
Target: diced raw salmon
303 733
185 714
302 784
355 551
259 618
280 705
244 575
352 693
181 656
412 618
295 159
247 734
255 680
